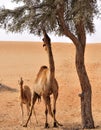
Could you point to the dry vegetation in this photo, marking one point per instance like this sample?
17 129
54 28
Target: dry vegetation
24 59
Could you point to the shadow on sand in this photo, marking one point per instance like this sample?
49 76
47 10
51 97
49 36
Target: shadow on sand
74 126
77 126
4 87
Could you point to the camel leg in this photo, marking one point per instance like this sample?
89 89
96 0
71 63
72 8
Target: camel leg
46 113
55 96
35 116
33 102
22 111
56 123
28 110
49 106
46 99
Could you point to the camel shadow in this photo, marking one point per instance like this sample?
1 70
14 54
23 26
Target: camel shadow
4 87
66 126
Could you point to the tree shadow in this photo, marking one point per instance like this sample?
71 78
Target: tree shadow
77 126
73 126
4 87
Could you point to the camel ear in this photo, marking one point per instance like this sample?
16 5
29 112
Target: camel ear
43 39
44 45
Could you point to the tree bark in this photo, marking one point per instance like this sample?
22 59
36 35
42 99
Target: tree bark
85 96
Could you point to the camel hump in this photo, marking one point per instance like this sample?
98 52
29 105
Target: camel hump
44 67
26 88
42 70
27 93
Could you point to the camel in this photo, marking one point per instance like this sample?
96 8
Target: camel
46 84
25 96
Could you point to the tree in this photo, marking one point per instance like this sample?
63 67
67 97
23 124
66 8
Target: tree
72 18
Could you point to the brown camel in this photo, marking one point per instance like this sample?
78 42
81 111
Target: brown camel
46 84
25 96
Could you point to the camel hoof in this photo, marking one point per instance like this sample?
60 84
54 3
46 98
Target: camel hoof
46 125
55 125
25 125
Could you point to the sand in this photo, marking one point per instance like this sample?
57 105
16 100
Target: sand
23 59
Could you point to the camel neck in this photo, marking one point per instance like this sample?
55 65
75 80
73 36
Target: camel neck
51 60
21 89
47 41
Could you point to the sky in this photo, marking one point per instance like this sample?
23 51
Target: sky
25 36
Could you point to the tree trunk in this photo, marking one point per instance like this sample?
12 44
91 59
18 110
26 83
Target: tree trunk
85 96
80 42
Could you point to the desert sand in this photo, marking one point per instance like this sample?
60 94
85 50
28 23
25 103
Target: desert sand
23 59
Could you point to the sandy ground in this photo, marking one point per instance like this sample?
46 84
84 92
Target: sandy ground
24 59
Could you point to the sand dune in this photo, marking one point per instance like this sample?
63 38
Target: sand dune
24 59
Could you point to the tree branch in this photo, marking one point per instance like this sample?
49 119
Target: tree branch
66 31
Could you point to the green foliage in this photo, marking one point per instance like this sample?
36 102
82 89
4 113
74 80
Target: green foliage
84 10
34 14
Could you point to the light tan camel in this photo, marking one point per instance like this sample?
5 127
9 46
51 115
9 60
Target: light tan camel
46 84
25 96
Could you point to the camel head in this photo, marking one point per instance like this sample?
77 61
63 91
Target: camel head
46 40
44 45
20 81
